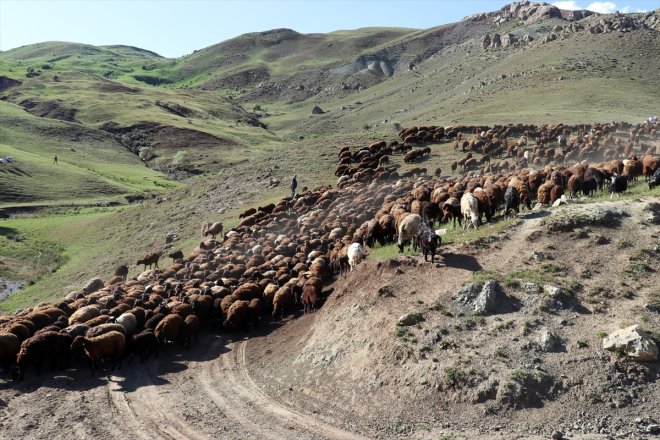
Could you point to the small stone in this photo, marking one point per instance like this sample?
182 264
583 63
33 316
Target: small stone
557 435
538 256
410 319
552 291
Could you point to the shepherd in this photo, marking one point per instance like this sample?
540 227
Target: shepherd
55 159
294 185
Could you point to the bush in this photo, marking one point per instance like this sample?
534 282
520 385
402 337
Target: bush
181 159
144 152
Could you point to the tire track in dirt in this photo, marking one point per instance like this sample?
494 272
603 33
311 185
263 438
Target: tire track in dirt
228 382
145 413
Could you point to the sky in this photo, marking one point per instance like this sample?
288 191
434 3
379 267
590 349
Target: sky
174 28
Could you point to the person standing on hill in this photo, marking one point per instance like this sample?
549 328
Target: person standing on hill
294 185
55 159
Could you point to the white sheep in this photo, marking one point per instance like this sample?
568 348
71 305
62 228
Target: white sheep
355 254
408 229
128 321
470 210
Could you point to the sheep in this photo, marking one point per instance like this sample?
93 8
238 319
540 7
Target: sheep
213 229
75 330
311 293
169 328
153 321
149 260
108 346
654 180
408 230
618 185
128 321
254 312
574 185
237 315
176 255
355 254
37 349
282 299
105 328
470 210
428 241
121 271
451 209
19 330
84 314
143 343
511 202
9 346
190 329
245 214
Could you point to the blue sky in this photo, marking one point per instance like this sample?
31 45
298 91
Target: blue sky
174 28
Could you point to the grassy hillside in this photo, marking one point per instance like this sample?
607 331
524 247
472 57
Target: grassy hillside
237 115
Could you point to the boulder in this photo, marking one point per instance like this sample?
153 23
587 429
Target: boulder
634 342
549 342
485 41
410 319
496 41
488 298
468 293
317 110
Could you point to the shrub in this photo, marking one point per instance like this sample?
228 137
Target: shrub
144 152
181 159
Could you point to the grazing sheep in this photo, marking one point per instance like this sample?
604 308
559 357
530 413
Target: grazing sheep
109 346
470 210
149 260
408 230
355 254
143 343
618 185
176 255
121 271
214 229
169 328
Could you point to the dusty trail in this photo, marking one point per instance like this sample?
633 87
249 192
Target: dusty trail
242 400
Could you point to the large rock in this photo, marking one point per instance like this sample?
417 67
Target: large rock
317 110
410 319
488 298
469 293
549 342
634 342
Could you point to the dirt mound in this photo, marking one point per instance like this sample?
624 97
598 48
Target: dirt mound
244 78
50 109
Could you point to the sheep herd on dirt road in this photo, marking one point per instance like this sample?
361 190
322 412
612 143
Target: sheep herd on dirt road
279 258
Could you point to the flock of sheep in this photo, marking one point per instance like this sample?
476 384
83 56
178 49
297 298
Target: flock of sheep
278 258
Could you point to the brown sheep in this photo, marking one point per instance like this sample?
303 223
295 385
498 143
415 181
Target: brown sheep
190 329
9 346
176 255
39 348
121 271
149 260
169 328
247 291
214 229
108 346
311 294
283 298
237 315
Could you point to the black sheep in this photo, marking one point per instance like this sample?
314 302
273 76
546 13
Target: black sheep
428 240
619 184
511 200
655 179
143 343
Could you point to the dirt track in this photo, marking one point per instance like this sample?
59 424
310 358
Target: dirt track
205 392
